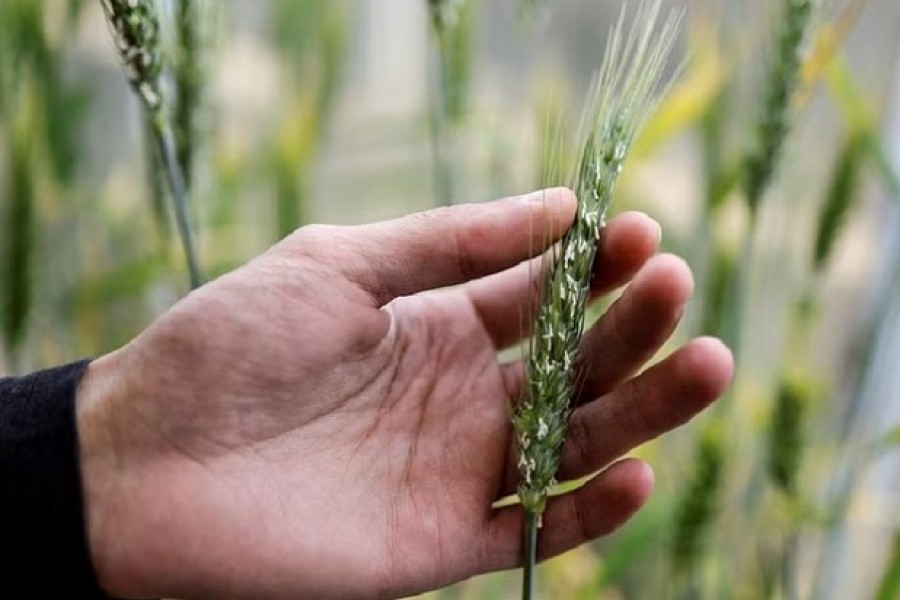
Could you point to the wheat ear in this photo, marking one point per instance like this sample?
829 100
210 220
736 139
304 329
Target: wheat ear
775 117
622 97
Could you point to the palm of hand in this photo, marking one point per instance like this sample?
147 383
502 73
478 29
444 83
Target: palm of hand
332 442
401 436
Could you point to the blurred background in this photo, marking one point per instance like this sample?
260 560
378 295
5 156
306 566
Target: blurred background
296 111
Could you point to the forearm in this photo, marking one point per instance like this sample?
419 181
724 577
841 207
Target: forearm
41 501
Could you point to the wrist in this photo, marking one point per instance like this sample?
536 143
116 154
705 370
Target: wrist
104 473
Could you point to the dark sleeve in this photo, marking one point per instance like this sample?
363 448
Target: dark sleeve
43 543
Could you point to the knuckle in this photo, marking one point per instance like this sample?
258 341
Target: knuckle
314 233
312 240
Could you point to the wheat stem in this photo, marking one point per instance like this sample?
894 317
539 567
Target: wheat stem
530 556
437 127
449 75
772 128
189 83
697 510
19 235
168 153
135 28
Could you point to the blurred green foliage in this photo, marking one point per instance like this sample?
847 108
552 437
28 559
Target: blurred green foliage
87 258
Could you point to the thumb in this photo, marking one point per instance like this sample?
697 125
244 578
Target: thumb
452 245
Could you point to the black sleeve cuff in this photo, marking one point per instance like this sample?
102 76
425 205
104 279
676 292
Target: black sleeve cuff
42 532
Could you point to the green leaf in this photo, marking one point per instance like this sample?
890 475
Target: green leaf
130 279
891 439
889 588
786 434
890 179
19 241
635 541
842 193
860 117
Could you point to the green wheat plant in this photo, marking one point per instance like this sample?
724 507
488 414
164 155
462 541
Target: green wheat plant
792 412
311 38
775 115
19 234
192 21
840 199
786 443
761 160
135 27
728 280
623 95
41 110
451 26
697 510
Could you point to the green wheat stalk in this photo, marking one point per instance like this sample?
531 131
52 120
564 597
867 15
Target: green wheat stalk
775 115
760 162
190 74
622 97
20 217
786 441
451 29
793 399
786 445
697 508
135 28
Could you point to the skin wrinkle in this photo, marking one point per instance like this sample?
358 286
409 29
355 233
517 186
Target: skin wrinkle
641 413
315 261
487 369
375 287
435 353
533 291
402 347
136 417
580 518
444 355
466 265
181 352
581 434
418 428
391 553
342 405
396 351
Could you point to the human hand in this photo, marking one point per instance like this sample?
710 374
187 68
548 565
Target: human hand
326 422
